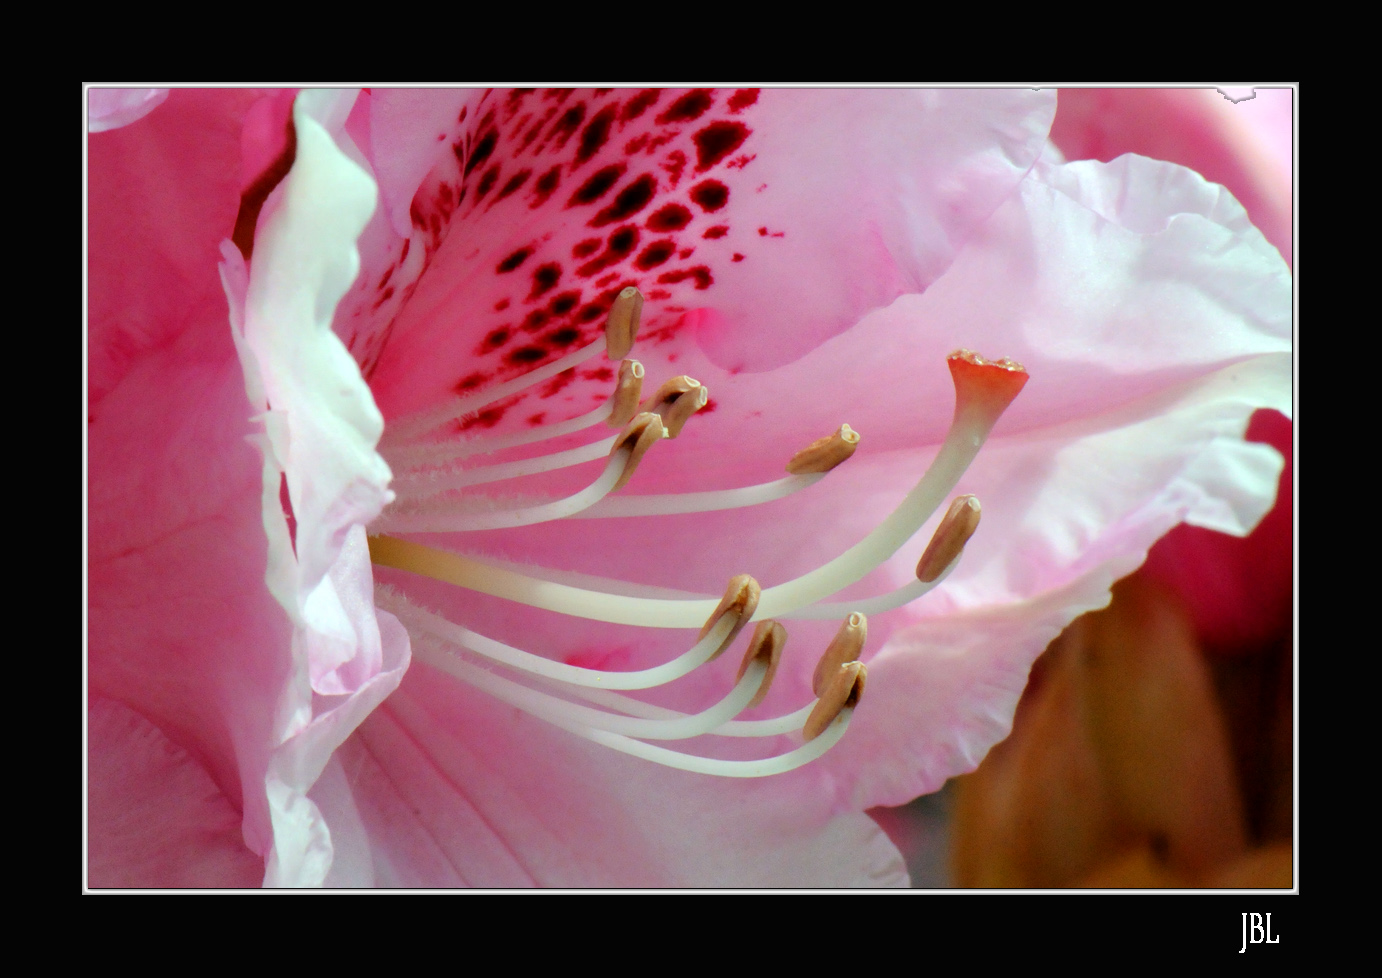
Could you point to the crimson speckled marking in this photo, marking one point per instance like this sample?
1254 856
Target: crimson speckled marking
646 173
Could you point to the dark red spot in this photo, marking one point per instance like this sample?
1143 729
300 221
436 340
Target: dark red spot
692 105
565 126
716 141
686 252
563 302
596 133
482 151
597 185
700 273
742 99
487 182
619 246
586 248
514 260
404 253
669 217
545 277
564 337
762 232
591 312
605 279
545 185
469 383
640 103
526 355
495 339
635 144
708 406
535 320
385 297
676 162
710 195
464 110
628 202
655 254
599 373
536 419
559 382
737 257
501 305
718 231
513 184
487 418
385 280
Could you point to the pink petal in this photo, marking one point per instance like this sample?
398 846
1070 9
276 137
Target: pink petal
112 108
320 433
1148 354
1246 146
155 816
455 790
556 200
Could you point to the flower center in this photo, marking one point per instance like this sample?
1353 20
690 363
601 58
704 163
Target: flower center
439 487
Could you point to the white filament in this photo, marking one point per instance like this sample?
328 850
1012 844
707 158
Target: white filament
448 520
411 427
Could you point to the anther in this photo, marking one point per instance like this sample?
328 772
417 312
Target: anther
956 527
627 389
767 643
641 434
676 416
676 400
621 327
824 454
844 647
843 692
740 601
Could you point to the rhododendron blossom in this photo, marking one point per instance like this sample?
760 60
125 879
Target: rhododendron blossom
440 600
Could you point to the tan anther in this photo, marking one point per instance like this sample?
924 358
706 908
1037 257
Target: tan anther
767 643
641 434
824 454
680 411
740 601
844 647
621 327
957 526
627 389
843 692
678 396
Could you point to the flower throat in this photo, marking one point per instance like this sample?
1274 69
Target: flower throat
439 490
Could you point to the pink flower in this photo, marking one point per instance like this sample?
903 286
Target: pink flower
811 258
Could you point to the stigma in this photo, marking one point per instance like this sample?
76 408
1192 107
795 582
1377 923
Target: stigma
444 486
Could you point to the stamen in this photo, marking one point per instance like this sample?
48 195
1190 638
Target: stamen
640 435
621 327
408 517
948 542
842 693
844 647
406 429
719 634
809 465
420 485
624 402
982 390
767 643
824 454
676 400
739 604
561 712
